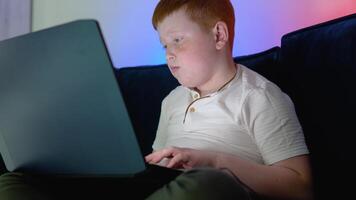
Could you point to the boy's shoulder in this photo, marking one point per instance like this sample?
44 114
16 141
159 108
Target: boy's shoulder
252 80
257 86
177 93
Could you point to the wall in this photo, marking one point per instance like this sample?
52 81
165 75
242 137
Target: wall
132 41
15 18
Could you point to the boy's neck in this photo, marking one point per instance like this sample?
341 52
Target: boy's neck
219 80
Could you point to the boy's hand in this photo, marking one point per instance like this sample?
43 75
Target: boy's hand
182 158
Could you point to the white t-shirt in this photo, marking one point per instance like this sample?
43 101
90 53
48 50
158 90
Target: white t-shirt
249 117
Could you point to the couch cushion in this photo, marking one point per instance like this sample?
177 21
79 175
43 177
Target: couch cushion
319 63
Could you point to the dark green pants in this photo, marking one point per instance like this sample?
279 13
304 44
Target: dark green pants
207 184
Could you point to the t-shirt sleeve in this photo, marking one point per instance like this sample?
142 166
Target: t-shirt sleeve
270 117
161 133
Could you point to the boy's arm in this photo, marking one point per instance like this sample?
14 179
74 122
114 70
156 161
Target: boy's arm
271 119
286 179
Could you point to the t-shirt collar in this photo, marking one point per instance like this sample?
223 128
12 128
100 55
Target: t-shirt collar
195 94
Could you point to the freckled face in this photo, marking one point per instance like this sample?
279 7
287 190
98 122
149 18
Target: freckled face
190 50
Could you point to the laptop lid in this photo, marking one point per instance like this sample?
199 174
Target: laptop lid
61 110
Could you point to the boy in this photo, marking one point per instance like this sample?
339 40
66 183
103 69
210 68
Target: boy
235 128
223 115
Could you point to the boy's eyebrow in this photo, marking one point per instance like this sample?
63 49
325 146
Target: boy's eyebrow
170 32
175 32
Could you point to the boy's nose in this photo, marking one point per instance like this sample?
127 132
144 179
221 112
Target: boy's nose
170 56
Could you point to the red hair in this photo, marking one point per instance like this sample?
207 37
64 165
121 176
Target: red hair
204 12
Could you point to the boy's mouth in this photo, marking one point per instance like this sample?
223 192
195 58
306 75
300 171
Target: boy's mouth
174 68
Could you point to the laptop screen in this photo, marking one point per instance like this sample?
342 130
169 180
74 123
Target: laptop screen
61 110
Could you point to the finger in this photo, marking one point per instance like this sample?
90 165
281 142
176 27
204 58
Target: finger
153 158
151 155
148 158
176 161
187 165
159 155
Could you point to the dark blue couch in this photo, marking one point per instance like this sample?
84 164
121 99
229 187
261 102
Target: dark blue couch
315 66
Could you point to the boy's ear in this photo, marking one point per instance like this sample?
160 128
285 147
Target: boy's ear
221 34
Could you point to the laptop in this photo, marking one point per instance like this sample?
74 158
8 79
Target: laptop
61 109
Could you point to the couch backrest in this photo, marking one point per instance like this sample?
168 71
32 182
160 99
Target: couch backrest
319 67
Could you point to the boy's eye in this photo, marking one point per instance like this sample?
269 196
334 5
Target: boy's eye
177 40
